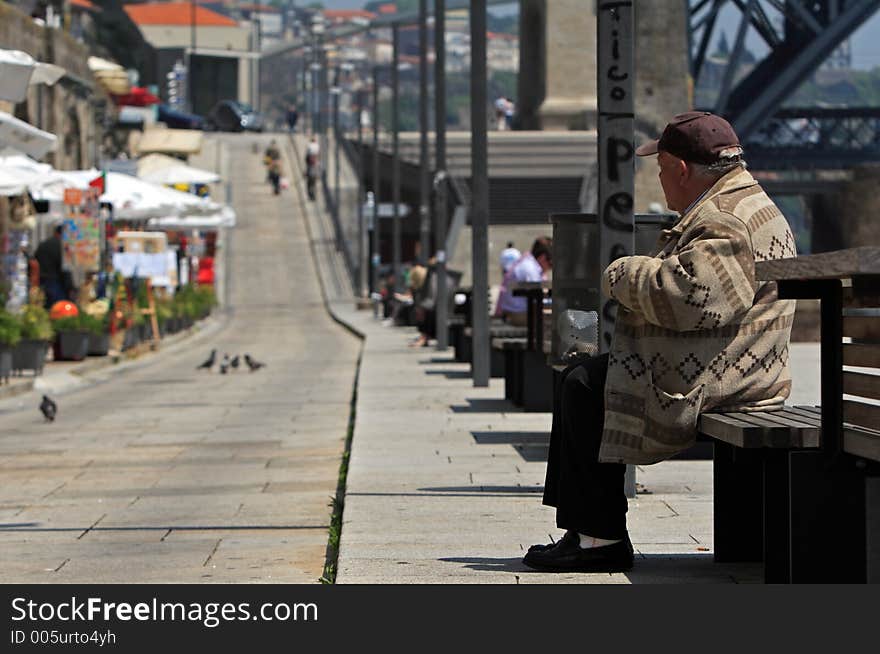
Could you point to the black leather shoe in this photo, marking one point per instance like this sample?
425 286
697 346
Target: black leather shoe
568 556
541 548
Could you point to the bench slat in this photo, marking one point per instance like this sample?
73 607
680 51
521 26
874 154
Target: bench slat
811 419
861 414
861 354
861 384
806 413
730 430
864 328
860 442
782 432
751 430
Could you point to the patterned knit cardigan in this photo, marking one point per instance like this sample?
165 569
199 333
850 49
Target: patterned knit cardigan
695 331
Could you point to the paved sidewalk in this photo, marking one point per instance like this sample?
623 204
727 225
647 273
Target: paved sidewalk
445 480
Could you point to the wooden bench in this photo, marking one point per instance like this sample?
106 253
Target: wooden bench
800 488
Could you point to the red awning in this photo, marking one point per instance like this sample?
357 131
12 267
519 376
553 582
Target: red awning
137 97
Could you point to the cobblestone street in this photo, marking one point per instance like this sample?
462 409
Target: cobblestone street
161 473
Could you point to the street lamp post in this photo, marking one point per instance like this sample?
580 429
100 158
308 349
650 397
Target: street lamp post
377 184
424 182
361 266
480 196
395 149
441 310
335 92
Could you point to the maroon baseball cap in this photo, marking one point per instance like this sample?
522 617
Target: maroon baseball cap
696 136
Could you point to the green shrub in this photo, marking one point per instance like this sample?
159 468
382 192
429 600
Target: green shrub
10 328
35 323
70 324
93 324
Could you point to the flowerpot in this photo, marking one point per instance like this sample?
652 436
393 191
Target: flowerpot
5 362
99 345
71 346
29 354
131 338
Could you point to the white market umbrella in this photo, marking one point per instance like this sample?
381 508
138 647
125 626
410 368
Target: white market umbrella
18 70
162 169
223 218
11 183
132 198
25 137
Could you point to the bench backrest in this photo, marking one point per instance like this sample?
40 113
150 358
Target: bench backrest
861 373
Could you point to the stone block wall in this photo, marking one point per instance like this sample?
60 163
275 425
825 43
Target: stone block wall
66 109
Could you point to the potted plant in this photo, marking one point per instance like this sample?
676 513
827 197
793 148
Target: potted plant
36 335
96 322
10 335
71 338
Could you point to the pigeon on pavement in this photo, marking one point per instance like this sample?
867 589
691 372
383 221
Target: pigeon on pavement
252 364
234 362
224 365
48 408
209 363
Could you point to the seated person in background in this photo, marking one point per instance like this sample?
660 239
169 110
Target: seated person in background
531 267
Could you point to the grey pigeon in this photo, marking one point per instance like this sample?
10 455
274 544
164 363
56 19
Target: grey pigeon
252 364
209 363
224 365
48 408
234 362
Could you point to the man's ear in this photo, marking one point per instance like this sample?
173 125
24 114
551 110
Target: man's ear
685 172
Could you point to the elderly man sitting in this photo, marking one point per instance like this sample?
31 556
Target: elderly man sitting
695 331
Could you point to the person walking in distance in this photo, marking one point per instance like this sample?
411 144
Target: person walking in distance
313 167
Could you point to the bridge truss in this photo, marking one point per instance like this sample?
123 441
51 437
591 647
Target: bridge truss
800 35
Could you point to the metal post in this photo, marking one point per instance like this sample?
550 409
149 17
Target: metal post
441 308
336 212
377 184
191 79
480 195
324 115
424 182
361 265
395 153
306 105
615 36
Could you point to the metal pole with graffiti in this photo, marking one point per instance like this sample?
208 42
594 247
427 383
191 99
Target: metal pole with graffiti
616 99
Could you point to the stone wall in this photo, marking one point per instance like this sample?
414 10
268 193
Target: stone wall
66 109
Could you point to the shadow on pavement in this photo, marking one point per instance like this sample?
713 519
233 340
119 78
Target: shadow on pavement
511 437
485 405
495 565
450 374
530 490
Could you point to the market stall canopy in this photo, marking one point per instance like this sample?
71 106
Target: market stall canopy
162 169
132 198
19 172
11 183
22 136
223 218
18 70
10 158
170 141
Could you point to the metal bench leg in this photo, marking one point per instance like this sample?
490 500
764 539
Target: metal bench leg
509 377
738 495
537 383
828 540
777 517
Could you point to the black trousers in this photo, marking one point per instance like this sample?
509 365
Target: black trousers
588 496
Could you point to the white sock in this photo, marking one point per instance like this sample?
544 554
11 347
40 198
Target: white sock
588 542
